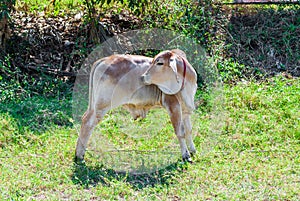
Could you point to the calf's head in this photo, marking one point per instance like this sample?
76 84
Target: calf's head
166 71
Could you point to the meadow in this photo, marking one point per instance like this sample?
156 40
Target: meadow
252 155
246 130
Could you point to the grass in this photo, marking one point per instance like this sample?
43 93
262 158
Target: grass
247 139
252 155
54 7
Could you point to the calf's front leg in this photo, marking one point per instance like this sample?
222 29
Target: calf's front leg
188 133
173 107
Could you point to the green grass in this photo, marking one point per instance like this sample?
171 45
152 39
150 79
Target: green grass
248 149
50 7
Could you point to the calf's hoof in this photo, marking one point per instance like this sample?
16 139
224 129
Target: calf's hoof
187 158
78 160
193 152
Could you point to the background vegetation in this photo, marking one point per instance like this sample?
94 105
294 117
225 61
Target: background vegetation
248 138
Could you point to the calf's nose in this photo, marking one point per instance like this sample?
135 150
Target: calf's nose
145 79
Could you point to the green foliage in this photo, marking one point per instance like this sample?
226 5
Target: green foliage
51 8
135 5
265 38
34 102
17 85
8 130
194 19
9 87
96 30
6 7
231 71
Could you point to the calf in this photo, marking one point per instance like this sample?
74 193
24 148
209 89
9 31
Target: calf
138 84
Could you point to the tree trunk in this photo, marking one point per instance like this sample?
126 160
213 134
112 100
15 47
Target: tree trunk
5 31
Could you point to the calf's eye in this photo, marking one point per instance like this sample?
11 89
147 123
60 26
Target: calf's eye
159 63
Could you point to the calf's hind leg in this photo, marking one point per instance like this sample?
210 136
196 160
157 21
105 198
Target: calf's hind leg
89 121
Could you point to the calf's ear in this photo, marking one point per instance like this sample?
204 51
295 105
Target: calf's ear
179 52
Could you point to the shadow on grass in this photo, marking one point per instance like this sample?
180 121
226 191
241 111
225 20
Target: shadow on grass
88 176
38 113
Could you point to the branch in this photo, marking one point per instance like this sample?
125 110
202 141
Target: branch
52 71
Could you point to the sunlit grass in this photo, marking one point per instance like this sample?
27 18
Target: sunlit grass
253 155
54 7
